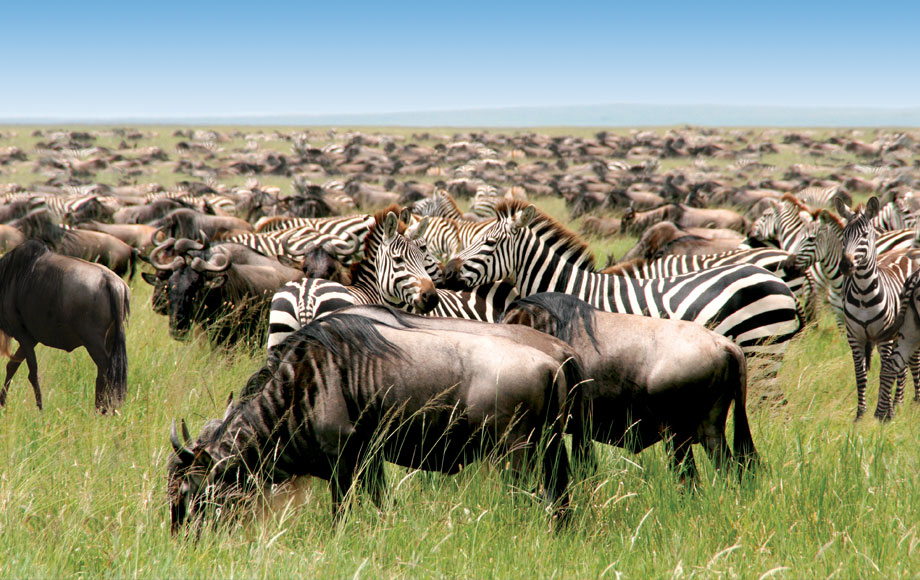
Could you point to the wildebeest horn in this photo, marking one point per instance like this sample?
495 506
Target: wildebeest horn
159 235
184 244
155 256
181 448
216 263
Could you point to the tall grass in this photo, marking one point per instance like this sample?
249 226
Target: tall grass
83 495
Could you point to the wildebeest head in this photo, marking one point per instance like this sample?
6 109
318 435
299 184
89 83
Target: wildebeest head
188 470
189 291
166 258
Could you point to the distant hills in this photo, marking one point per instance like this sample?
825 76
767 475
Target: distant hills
618 115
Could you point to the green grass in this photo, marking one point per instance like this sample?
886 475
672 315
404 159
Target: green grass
84 496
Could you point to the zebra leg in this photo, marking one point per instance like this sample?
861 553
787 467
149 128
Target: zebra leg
915 373
861 354
893 367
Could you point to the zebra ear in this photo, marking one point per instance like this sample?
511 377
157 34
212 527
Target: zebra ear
872 207
522 218
405 215
420 228
842 208
390 226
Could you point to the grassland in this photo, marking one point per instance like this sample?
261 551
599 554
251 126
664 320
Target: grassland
84 496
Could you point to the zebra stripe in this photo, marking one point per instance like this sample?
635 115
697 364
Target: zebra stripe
745 303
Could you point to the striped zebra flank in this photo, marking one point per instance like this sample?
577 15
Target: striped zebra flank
746 303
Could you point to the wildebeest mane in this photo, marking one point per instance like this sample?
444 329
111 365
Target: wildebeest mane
338 333
39 225
565 310
16 269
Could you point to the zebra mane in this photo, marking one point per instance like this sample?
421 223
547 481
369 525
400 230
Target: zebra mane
632 264
548 225
788 197
831 219
372 242
565 310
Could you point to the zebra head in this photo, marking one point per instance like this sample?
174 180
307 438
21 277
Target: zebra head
402 268
416 233
490 257
764 227
858 236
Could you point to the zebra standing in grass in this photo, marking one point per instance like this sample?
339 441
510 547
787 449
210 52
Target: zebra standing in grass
393 270
871 287
820 250
906 349
745 303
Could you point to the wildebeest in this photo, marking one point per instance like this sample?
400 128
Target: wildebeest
64 303
666 238
653 379
683 216
345 393
227 288
90 246
188 223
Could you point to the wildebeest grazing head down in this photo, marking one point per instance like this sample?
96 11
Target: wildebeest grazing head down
64 303
380 384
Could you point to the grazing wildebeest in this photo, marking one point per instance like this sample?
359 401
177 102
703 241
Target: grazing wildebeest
138 236
64 303
665 238
653 379
345 393
90 246
683 216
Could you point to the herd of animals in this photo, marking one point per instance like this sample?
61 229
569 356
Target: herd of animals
400 328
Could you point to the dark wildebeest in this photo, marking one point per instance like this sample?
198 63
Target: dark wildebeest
138 236
226 288
90 246
346 393
10 237
188 223
64 303
149 212
653 379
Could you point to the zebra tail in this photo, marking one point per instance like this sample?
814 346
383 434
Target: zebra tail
743 445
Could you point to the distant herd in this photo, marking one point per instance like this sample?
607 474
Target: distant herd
399 327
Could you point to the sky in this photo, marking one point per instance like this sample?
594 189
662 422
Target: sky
98 60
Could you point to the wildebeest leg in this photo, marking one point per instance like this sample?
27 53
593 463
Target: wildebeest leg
33 374
343 474
556 474
372 480
106 399
681 458
11 368
716 446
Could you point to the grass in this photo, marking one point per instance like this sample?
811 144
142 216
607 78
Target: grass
84 496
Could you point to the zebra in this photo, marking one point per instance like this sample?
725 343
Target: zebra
782 224
906 336
439 204
745 303
783 264
394 269
871 288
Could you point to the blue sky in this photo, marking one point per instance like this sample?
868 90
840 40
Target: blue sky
128 59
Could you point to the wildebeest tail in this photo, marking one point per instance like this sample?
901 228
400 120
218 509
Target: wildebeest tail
116 375
577 415
132 263
743 445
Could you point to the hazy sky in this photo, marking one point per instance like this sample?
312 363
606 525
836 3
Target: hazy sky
154 59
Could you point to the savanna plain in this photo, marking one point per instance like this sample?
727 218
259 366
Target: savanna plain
82 495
